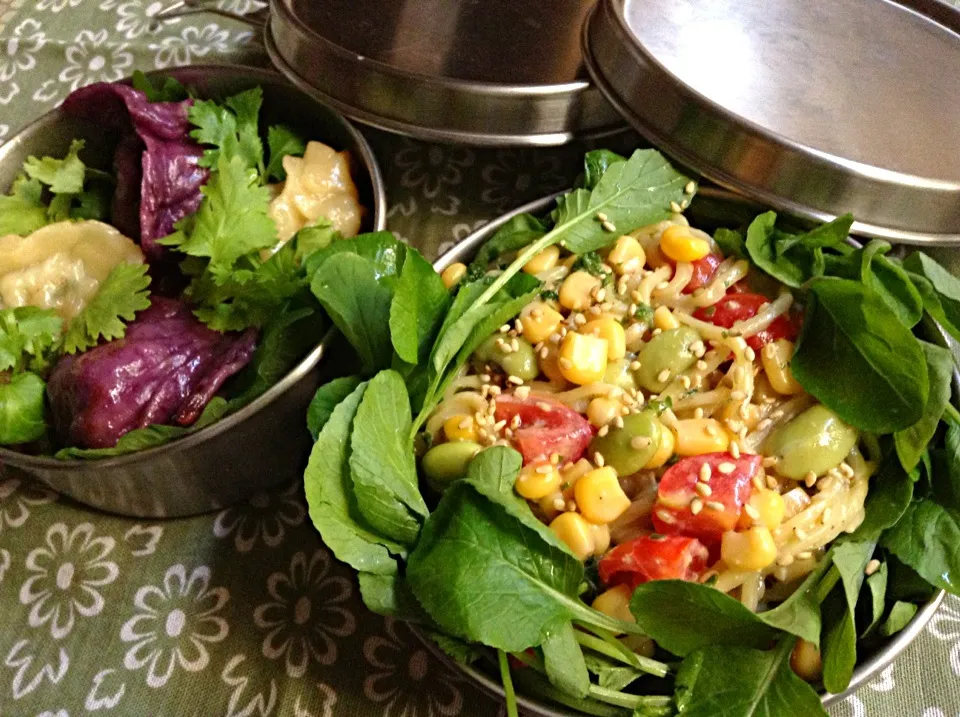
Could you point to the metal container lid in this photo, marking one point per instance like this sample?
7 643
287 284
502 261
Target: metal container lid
489 73
818 107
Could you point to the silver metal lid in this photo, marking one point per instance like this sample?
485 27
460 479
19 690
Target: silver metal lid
490 73
818 107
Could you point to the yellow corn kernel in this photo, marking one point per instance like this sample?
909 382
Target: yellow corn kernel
776 364
599 496
573 530
680 245
576 291
583 358
610 329
601 539
769 508
627 255
603 411
615 602
547 360
749 416
664 319
539 321
460 428
452 275
535 482
806 661
696 436
665 451
750 550
544 261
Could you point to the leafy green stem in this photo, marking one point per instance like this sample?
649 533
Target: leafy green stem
511 697
623 699
616 650
951 415
827 584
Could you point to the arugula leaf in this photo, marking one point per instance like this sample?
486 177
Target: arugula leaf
822 236
900 616
911 442
141 439
877 587
564 663
925 538
28 338
463 653
596 163
611 675
282 141
381 462
331 501
418 308
121 295
231 222
232 128
891 491
743 682
534 684
857 358
943 302
799 614
731 243
63 176
761 246
21 409
313 238
22 210
838 644
327 398
683 617
390 595
630 194
512 236
945 478
169 91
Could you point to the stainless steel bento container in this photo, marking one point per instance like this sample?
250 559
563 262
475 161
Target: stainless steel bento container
266 442
712 200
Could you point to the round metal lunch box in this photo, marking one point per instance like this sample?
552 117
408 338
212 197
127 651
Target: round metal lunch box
264 443
715 199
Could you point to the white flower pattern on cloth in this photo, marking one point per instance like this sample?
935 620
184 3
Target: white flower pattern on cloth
190 44
260 702
94 59
406 679
518 177
67 573
17 498
945 626
431 167
306 613
177 621
27 679
267 516
57 5
884 682
19 56
136 18
240 7
4 563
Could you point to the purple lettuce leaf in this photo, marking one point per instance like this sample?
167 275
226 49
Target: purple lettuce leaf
169 177
164 370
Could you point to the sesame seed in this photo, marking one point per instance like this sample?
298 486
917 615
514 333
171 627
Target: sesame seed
634 365
826 515
666 517
663 285
701 365
872 567
703 489
734 449
595 311
743 411
555 458
508 432
618 422
698 413
522 392
772 483
737 395
515 345
769 461
571 506
566 363
516 380
602 217
715 505
498 426
711 430
639 443
752 512
579 319
758 482
674 207
604 430
505 328
785 561
800 533
810 479
544 352
685 381
536 313
494 390
805 555
544 470
726 468
663 375
608 226
517 326
482 432
559 504
846 469
485 377
598 459
696 505
544 406
705 472
465 423
601 294
690 188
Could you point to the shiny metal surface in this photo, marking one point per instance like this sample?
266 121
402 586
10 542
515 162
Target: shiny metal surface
496 72
817 107
489 680
266 442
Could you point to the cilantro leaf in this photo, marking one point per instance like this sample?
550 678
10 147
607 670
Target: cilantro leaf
22 210
121 295
591 262
231 222
231 128
21 409
171 90
28 336
63 176
282 141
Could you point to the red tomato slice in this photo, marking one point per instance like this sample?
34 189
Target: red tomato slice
738 306
672 513
703 271
654 557
546 427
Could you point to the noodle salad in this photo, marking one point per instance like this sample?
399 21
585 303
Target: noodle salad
637 467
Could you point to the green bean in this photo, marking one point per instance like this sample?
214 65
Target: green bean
813 442
666 355
521 362
630 448
447 462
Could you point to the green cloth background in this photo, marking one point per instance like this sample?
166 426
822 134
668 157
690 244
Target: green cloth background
245 613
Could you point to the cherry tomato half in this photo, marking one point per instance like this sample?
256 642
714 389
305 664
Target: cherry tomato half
737 306
546 427
703 271
654 557
729 487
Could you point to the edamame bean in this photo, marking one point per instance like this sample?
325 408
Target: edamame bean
618 374
449 461
815 441
666 355
630 448
521 363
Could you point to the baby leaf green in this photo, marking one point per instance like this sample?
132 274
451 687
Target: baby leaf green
912 441
327 397
564 663
21 409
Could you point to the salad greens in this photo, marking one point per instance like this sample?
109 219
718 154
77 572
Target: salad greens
480 573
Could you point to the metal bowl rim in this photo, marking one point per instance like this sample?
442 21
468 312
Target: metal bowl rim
307 364
863 672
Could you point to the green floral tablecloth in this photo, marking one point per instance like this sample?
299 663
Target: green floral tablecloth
245 613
